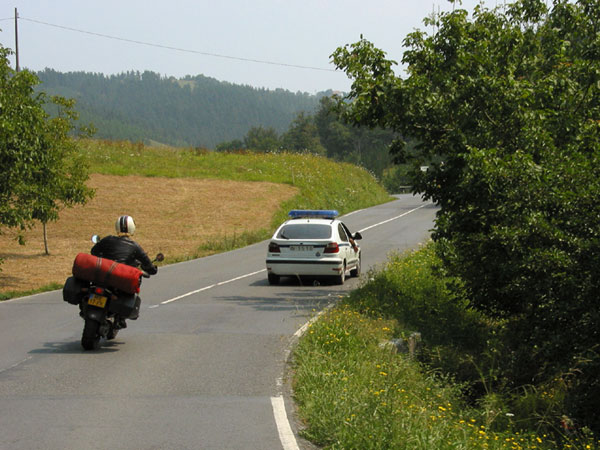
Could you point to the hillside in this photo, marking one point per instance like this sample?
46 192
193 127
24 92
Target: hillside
195 111
197 190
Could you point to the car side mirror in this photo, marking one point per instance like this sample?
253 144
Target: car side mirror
357 236
95 239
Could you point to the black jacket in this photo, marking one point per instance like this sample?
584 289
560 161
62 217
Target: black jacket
124 250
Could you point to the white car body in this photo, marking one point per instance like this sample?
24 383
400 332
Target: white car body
313 243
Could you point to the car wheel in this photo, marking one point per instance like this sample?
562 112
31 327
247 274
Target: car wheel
356 271
273 279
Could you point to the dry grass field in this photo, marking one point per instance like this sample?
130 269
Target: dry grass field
173 216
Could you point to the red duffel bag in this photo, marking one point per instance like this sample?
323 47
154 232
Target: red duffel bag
107 272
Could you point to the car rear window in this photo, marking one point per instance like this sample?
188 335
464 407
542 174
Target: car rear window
305 231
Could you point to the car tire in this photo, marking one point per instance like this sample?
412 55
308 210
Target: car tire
339 279
356 271
273 279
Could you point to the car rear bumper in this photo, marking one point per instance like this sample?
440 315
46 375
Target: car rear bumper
324 267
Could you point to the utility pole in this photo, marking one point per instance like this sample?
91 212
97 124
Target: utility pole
17 39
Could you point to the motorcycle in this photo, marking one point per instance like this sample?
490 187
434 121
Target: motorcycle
106 293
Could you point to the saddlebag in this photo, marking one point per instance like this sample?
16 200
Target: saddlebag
106 272
126 306
74 290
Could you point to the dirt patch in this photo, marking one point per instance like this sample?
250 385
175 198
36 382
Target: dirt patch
174 216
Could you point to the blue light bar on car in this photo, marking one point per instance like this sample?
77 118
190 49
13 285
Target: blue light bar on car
313 213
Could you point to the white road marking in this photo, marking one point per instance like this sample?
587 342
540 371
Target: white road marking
205 288
286 435
353 212
15 365
393 218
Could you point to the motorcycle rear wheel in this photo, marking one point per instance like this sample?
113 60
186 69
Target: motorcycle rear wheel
90 339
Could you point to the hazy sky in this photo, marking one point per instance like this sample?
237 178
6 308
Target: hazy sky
282 33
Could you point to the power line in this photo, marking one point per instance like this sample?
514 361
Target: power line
167 47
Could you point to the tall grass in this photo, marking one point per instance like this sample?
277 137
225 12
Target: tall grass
323 184
354 393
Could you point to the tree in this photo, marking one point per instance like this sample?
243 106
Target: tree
303 136
510 102
262 139
40 172
345 142
236 144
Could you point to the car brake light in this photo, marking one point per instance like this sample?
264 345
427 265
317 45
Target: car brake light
332 247
99 291
274 248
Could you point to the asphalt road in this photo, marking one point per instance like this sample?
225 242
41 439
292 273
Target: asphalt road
203 368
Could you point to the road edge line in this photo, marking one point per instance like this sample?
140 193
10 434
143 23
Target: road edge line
286 435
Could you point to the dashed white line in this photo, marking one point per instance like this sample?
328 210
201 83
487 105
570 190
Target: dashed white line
392 219
205 288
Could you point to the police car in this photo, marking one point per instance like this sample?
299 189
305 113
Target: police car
313 243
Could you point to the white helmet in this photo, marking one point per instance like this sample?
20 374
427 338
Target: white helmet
125 225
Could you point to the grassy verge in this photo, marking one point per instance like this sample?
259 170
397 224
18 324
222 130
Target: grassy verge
14 294
354 394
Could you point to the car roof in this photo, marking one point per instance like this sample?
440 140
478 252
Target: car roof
311 220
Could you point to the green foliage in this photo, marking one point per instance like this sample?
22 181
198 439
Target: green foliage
354 392
236 144
362 146
397 179
193 111
302 136
39 173
202 112
509 101
261 139
415 291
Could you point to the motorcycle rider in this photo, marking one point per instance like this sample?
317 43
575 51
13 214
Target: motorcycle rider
123 249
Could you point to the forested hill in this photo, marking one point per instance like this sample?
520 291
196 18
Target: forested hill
194 111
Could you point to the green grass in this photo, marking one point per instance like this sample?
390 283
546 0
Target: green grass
11 294
354 394
323 183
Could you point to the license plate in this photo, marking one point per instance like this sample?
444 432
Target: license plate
301 248
97 300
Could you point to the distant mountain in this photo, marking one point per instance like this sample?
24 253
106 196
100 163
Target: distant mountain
193 111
